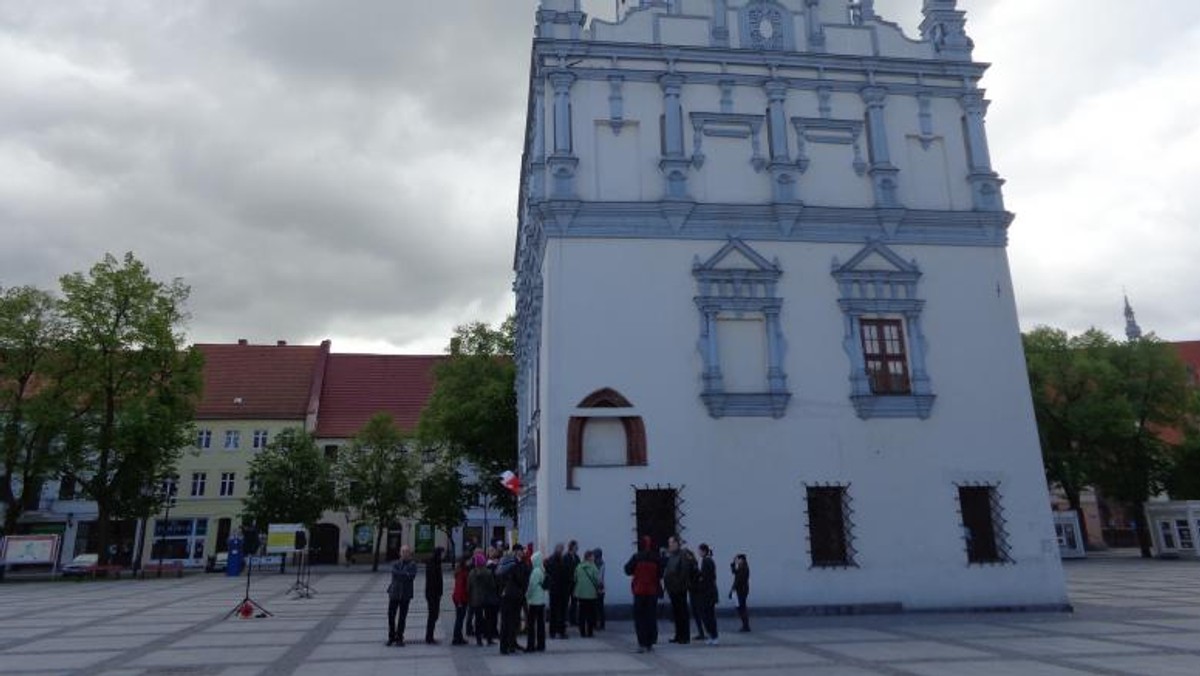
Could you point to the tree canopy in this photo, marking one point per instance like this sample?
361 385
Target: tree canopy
1106 411
377 476
473 408
290 482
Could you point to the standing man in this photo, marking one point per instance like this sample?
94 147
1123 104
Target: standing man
513 577
706 593
677 577
433 593
645 568
571 562
400 593
560 590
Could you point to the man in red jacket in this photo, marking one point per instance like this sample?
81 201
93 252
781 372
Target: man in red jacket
646 570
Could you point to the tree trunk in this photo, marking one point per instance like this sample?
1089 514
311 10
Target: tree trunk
1143 531
378 539
1074 501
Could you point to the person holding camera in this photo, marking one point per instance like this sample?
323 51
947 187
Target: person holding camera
740 568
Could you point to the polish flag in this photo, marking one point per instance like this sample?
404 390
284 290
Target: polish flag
512 482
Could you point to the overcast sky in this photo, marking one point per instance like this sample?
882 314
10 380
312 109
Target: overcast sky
347 169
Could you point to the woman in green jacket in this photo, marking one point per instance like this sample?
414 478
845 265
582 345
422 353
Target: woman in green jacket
535 598
587 590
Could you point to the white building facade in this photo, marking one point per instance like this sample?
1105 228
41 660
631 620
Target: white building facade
764 302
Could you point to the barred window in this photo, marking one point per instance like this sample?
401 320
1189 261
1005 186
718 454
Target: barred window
829 536
983 525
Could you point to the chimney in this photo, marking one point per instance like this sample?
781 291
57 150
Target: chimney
280 343
243 341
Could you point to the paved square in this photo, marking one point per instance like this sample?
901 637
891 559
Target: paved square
1132 617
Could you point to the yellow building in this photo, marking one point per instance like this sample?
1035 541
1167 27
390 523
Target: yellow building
251 393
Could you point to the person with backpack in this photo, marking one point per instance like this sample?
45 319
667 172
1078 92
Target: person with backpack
587 589
598 559
536 598
645 570
512 577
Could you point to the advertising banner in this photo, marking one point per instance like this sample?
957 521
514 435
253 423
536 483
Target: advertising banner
281 537
29 549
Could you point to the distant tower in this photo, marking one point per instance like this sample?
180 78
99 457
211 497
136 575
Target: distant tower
1132 330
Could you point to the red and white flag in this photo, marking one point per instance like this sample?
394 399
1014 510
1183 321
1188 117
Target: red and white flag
512 482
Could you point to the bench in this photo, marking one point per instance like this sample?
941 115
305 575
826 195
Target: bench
158 569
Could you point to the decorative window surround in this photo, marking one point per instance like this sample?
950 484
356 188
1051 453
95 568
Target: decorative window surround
829 131
871 290
607 403
767 26
740 291
727 125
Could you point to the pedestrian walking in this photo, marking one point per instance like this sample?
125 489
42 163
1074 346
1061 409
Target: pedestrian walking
706 593
740 568
512 576
433 593
587 588
461 600
536 598
481 585
645 569
400 593
677 577
598 559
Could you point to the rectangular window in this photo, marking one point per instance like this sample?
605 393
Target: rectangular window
260 439
885 356
227 484
66 488
1185 534
331 454
1168 534
199 479
982 524
170 490
657 514
233 439
204 438
829 526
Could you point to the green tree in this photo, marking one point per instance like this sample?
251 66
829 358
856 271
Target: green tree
290 482
1104 409
1076 400
132 383
444 497
377 476
1159 398
31 335
473 409
1183 483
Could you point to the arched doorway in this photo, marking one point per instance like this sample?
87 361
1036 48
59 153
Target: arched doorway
324 548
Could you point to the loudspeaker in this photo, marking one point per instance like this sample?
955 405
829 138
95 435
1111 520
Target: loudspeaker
301 540
250 540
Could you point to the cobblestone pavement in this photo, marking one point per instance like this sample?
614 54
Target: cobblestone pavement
1132 617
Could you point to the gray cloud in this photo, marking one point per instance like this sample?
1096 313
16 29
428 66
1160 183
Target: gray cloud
348 169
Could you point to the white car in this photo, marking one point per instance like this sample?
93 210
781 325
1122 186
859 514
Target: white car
81 565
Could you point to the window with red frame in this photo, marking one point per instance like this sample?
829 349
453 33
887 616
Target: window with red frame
885 356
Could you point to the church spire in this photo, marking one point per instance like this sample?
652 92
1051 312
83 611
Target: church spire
1132 330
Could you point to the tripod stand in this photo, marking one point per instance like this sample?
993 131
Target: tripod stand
247 605
301 586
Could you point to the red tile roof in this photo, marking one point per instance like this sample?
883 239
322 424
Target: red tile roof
267 382
357 386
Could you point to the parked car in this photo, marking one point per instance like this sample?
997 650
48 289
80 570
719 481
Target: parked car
81 565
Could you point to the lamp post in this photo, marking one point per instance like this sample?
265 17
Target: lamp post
171 489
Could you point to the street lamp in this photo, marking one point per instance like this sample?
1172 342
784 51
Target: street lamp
171 488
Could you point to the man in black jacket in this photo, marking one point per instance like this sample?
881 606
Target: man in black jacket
400 593
512 576
677 577
560 584
433 593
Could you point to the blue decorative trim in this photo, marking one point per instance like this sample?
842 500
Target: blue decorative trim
683 219
727 125
871 291
767 26
740 291
825 130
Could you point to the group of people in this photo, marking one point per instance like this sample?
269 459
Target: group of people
498 591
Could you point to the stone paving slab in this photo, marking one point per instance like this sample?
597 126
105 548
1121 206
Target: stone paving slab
1132 617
